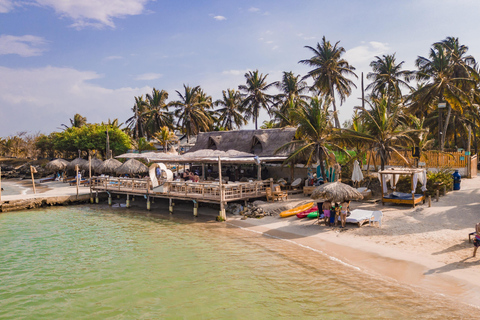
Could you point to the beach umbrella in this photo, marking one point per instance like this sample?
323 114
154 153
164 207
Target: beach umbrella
108 166
77 161
357 174
336 192
95 164
56 165
132 166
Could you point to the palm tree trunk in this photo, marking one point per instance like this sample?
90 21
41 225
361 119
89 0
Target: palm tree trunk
332 95
322 167
447 120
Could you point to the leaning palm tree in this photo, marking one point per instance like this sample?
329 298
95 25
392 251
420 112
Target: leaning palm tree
191 111
254 95
156 113
315 136
388 77
330 72
136 123
230 113
164 136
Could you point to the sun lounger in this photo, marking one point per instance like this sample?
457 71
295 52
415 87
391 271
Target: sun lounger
360 216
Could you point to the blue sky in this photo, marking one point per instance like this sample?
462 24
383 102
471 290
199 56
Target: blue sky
61 57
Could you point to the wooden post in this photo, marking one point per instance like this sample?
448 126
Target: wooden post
429 201
170 205
90 176
195 208
222 190
0 184
109 199
32 171
96 197
76 178
148 203
437 194
413 191
128 201
259 171
381 184
444 190
271 184
203 171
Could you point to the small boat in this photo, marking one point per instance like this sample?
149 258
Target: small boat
305 213
313 215
291 212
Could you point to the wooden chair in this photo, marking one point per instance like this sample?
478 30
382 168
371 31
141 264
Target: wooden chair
280 194
269 194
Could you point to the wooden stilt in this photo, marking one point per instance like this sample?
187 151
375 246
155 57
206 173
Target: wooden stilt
109 199
128 201
170 205
97 200
32 171
195 208
148 203
90 176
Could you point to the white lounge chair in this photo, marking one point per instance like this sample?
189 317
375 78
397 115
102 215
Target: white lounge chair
360 216
377 217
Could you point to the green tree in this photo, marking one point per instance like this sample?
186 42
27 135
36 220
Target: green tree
192 114
136 124
292 92
165 137
230 113
156 114
315 136
254 95
330 72
77 121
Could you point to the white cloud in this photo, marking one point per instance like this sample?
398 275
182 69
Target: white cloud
253 9
25 46
235 72
44 98
96 13
219 18
109 58
366 52
6 6
148 76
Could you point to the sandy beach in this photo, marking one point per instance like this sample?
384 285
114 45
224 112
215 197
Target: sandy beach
424 247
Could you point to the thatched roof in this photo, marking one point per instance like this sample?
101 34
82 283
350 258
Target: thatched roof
108 166
132 166
209 153
336 192
95 164
57 165
78 161
262 143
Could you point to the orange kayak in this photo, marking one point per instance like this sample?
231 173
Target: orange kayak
294 211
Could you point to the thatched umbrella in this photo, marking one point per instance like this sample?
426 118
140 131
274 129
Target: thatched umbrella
132 166
336 192
95 164
56 165
78 161
108 166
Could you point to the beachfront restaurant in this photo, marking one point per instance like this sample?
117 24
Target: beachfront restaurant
213 152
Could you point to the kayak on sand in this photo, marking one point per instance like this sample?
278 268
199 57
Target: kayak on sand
305 213
291 212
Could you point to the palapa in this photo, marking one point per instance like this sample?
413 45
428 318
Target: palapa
336 192
95 164
77 161
209 153
108 166
56 165
132 166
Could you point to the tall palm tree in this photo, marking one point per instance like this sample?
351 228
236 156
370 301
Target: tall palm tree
388 77
136 123
165 137
448 76
315 136
157 114
77 121
230 115
330 72
292 89
254 95
191 111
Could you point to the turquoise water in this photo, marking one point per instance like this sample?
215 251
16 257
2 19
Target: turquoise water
97 263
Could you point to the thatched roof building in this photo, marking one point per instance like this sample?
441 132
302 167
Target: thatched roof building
56 165
132 166
262 143
108 166
77 161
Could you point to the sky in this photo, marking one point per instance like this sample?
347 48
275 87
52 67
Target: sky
92 57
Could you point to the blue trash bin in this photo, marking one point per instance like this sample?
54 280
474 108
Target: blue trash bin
456 180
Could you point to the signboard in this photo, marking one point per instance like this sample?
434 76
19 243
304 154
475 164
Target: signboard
422 163
467 153
462 158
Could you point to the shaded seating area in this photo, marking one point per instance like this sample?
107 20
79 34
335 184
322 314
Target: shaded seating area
392 175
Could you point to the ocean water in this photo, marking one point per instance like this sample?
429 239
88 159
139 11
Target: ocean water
97 263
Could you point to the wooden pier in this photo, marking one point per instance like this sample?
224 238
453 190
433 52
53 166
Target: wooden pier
209 192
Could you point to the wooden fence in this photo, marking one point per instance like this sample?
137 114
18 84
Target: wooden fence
430 158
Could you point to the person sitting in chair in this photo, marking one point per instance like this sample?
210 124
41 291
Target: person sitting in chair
476 241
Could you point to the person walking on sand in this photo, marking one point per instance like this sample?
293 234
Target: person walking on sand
476 241
343 213
338 208
326 206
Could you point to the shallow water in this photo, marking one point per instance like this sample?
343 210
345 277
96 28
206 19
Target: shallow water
96 263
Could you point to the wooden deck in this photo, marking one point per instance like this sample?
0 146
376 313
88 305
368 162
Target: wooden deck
199 191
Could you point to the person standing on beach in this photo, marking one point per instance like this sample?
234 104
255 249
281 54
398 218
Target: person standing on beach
343 213
476 241
326 206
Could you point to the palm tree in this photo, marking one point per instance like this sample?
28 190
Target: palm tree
315 135
165 136
136 123
292 89
77 121
156 114
254 95
388 77
386 130
191 111
230 115
448 76
330 72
